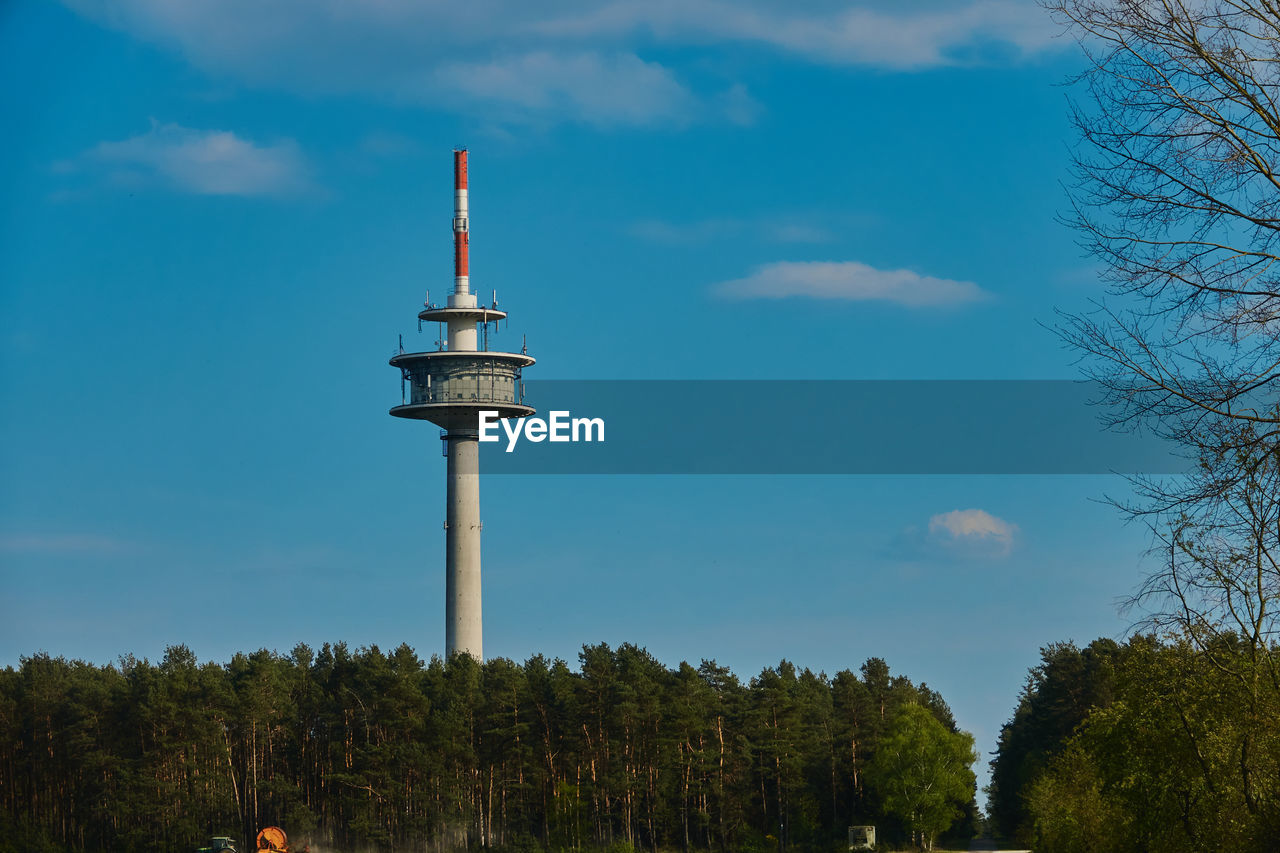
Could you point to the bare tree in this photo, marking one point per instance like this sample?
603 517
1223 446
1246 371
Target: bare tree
1217 579
1178 196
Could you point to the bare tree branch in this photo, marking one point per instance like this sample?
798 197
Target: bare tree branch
1177 194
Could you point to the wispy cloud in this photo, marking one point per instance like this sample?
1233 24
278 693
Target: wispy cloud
203 162
612 89
704 231
62 544
388 144
684 234
783 232
880 34
849 281
973 530
283 560
556 60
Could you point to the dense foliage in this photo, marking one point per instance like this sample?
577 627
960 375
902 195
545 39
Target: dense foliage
379 751
1060 693
922 771
1151 746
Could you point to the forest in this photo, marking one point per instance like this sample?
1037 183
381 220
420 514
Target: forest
1150 745
374 751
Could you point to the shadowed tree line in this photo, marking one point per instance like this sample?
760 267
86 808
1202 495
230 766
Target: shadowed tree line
1152 745
381 751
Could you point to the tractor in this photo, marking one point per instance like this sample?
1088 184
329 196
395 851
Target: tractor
219 844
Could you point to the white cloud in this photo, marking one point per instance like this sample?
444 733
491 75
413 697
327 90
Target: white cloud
616 89
204 162
879 34
850 281
974 530
560 59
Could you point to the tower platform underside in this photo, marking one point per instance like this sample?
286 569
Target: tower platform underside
480 314
451 388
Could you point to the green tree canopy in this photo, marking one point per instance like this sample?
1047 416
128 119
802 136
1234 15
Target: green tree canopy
924 772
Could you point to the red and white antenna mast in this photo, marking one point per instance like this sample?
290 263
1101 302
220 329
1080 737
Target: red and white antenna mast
461 235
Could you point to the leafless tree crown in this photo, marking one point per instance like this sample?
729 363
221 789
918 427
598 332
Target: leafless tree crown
1177 195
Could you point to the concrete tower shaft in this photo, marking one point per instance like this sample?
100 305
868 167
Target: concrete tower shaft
450 387
463 616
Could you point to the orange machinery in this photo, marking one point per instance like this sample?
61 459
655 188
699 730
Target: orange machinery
274 840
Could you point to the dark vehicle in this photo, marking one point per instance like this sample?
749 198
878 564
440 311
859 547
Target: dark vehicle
218 844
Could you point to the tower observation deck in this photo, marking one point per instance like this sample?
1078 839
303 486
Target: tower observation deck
450 387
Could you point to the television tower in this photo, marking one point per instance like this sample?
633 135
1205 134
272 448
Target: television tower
450 387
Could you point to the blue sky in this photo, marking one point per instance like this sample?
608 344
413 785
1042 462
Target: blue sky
215 221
